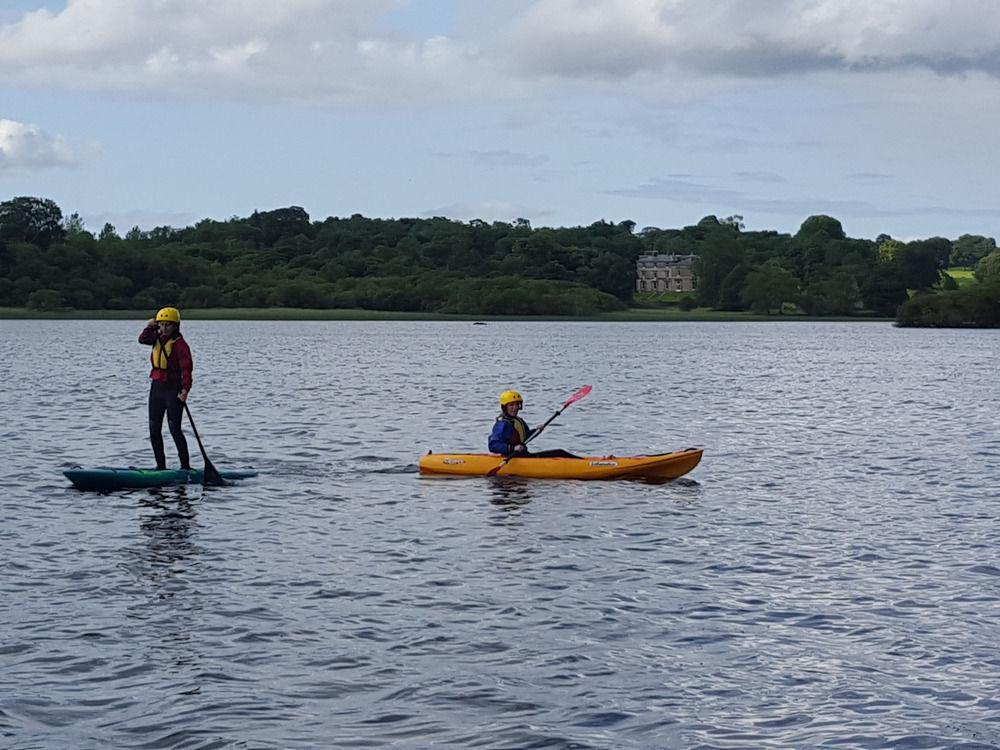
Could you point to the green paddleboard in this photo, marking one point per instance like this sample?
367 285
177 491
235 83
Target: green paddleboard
105 478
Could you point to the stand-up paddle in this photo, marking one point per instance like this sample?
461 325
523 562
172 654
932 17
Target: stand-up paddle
571 400
211 477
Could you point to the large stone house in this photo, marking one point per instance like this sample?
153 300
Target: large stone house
665 273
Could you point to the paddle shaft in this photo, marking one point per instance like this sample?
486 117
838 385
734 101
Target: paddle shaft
211 475
545 424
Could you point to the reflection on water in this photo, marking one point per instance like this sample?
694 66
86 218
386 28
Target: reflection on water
168 519
509 491
165 562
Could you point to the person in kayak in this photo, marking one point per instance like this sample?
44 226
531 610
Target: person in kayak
171 382
511 433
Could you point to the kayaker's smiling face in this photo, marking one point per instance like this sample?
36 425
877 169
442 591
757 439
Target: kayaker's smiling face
512 408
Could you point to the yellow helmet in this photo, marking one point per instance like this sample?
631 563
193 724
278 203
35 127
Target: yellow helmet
509 397
168 315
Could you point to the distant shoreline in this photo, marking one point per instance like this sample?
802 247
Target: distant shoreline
632 315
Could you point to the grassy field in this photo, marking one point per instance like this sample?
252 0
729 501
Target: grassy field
650 315
654 315
962 276
660 298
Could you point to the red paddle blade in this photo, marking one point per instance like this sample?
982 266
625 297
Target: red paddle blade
578 395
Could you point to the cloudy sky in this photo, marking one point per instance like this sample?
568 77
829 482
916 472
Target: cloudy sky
882 113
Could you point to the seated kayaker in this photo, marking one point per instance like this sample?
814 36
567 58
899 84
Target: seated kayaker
511 433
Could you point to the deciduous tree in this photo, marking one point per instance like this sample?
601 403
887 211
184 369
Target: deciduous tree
35 220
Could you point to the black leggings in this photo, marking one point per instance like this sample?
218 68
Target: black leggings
163 400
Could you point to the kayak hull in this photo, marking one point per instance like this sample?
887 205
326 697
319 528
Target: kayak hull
657 467
107 478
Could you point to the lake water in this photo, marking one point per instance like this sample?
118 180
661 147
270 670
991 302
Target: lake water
827 577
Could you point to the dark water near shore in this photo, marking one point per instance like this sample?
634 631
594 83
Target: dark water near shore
828 577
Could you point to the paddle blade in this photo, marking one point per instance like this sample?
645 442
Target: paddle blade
212 478
578 395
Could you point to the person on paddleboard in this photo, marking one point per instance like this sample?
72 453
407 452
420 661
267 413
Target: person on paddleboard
511 433
171 382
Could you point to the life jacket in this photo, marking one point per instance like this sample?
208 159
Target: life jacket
520 428
160 355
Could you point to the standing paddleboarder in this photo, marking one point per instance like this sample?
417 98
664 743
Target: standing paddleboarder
171 376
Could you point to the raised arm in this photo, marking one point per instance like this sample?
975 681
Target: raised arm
149 333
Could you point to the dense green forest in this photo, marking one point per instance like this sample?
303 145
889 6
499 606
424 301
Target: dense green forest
282 258
976 305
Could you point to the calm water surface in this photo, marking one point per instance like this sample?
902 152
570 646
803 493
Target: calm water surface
828 577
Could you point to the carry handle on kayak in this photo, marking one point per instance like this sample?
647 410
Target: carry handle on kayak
211 477
571 400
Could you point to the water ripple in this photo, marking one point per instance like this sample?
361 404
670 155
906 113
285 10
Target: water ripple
827 577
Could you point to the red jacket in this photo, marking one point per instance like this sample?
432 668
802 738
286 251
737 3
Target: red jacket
179 363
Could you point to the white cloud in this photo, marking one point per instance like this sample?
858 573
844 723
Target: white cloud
582 38
331 51
616 39
343 52
24 146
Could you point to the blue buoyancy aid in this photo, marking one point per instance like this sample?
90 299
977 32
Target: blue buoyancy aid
508 432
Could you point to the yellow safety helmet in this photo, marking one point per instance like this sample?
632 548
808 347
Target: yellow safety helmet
509 397
168 315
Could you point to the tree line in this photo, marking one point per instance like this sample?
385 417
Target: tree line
283 258
976 305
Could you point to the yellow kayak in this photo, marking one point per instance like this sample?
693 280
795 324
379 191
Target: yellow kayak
660 466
